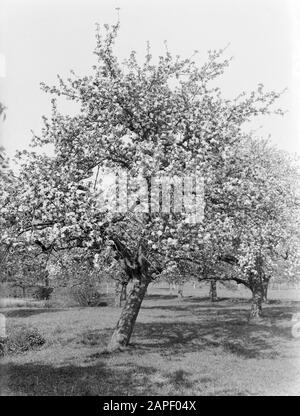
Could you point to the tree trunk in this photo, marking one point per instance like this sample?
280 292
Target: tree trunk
258 286
213 291
125 325
180 291
256 304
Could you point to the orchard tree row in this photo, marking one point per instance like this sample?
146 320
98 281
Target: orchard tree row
163 116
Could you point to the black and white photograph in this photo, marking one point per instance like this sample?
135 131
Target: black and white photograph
149 201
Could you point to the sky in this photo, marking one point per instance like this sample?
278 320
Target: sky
42 38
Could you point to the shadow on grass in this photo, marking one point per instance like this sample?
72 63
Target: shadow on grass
225 327
24 313
97 379
187 305
188 298
160 297
96 376
94 380
173 338
207 299
215 326
100 379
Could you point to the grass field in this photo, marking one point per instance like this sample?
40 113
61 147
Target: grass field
178 348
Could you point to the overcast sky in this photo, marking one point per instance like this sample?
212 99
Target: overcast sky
42 38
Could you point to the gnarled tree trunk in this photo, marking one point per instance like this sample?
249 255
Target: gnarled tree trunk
136 267
213 291
124 328
258 286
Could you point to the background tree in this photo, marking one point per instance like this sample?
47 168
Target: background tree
263 211
252 225
266 217
24 268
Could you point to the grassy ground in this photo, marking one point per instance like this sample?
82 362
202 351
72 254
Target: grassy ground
178 348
